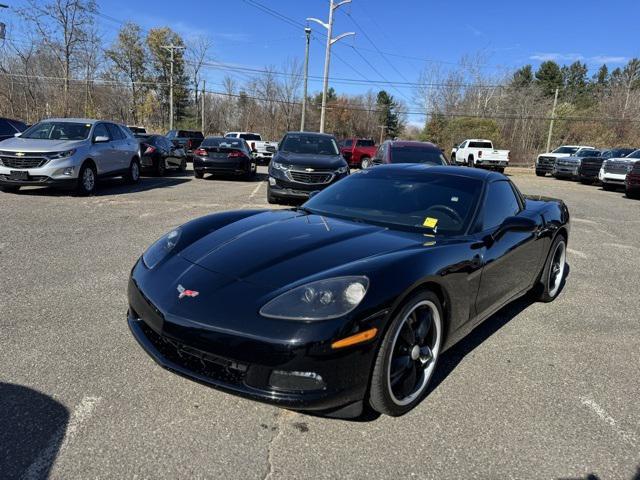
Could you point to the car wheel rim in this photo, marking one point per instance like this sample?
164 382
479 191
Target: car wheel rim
365 163
135 173
88 180
415 350
556 272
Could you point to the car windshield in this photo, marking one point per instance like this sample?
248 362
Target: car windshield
58 131
313 144
570 150
417 154
406 200
588 153
250 137
222 142
366 143
635 154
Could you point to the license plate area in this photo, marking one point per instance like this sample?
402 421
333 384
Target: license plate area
18 175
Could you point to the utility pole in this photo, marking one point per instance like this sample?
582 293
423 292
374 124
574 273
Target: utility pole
204 91
553 116
327 54
171 48
307 31
382 129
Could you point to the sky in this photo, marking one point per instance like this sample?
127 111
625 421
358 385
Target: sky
436 34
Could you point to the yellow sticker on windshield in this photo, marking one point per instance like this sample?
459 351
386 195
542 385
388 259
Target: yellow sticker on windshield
430 222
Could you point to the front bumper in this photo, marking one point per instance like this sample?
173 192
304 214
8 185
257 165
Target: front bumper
38 181
243 365
561 171
282 186
612 178
58 173
232 166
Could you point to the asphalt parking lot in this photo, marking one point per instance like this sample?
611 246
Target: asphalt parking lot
538 391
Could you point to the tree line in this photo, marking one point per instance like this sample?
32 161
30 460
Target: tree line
56 63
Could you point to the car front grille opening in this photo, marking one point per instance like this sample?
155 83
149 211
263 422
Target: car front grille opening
310 177
196 361
23 162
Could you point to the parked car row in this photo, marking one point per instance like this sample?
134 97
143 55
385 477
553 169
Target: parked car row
611 168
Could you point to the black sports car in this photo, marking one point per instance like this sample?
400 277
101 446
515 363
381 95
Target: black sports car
350 298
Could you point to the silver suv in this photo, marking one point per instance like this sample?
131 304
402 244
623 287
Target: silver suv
69 152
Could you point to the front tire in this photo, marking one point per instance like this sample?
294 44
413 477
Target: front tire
198 173
540 174
470 161
552 276
608 188
408 355
365 162
160 167
271 198
86 180
183 165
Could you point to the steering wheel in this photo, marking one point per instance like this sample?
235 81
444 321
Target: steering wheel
450 212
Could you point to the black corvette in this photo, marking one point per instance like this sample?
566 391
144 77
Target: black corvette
350 299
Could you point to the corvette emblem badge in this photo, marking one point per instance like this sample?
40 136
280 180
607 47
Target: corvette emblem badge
186 293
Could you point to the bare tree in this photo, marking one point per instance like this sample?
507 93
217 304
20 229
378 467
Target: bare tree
195 57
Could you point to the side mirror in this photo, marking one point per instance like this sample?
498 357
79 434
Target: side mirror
515 224
100 139
19 134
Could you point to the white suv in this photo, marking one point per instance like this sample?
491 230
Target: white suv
68 152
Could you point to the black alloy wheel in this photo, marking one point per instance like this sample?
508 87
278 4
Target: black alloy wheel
408 355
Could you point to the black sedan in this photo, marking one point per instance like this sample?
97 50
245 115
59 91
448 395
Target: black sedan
158 154
226 156
304 163
351 299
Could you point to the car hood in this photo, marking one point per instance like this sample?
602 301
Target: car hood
555 155
622 160
311 160
36 145
277 248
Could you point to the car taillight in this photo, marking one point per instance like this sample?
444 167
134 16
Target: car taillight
235 155
149 150
189 144
201 152
479 153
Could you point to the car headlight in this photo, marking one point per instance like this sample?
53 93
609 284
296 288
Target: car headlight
59 155
320 300
342 170
161 248
280 166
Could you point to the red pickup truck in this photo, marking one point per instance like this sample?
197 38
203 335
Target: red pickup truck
358 151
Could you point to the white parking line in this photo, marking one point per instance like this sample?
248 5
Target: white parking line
256 190
61 437
577 253
609 420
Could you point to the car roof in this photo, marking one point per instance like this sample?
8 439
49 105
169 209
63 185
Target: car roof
316 134
75 120
477 173
413 143
478 140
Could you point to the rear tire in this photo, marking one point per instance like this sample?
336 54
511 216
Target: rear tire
500 169
470 161
183 165
133 174
540 174
86 180
628 193
365 162
552 277
198 173
408 355
10 189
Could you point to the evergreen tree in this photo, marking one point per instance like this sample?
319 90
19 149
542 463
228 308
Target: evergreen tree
388 116
523 77
549 77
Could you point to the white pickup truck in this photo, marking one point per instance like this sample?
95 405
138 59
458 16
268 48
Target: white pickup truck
476 152
262 150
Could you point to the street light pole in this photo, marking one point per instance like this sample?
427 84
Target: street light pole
327 54
171 48
553 117
307 31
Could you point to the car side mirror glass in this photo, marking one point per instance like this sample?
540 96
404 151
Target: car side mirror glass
100 139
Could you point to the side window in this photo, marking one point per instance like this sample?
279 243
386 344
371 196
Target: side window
5 128
500 203
114 132
100 130
171 134
463 145
348 143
